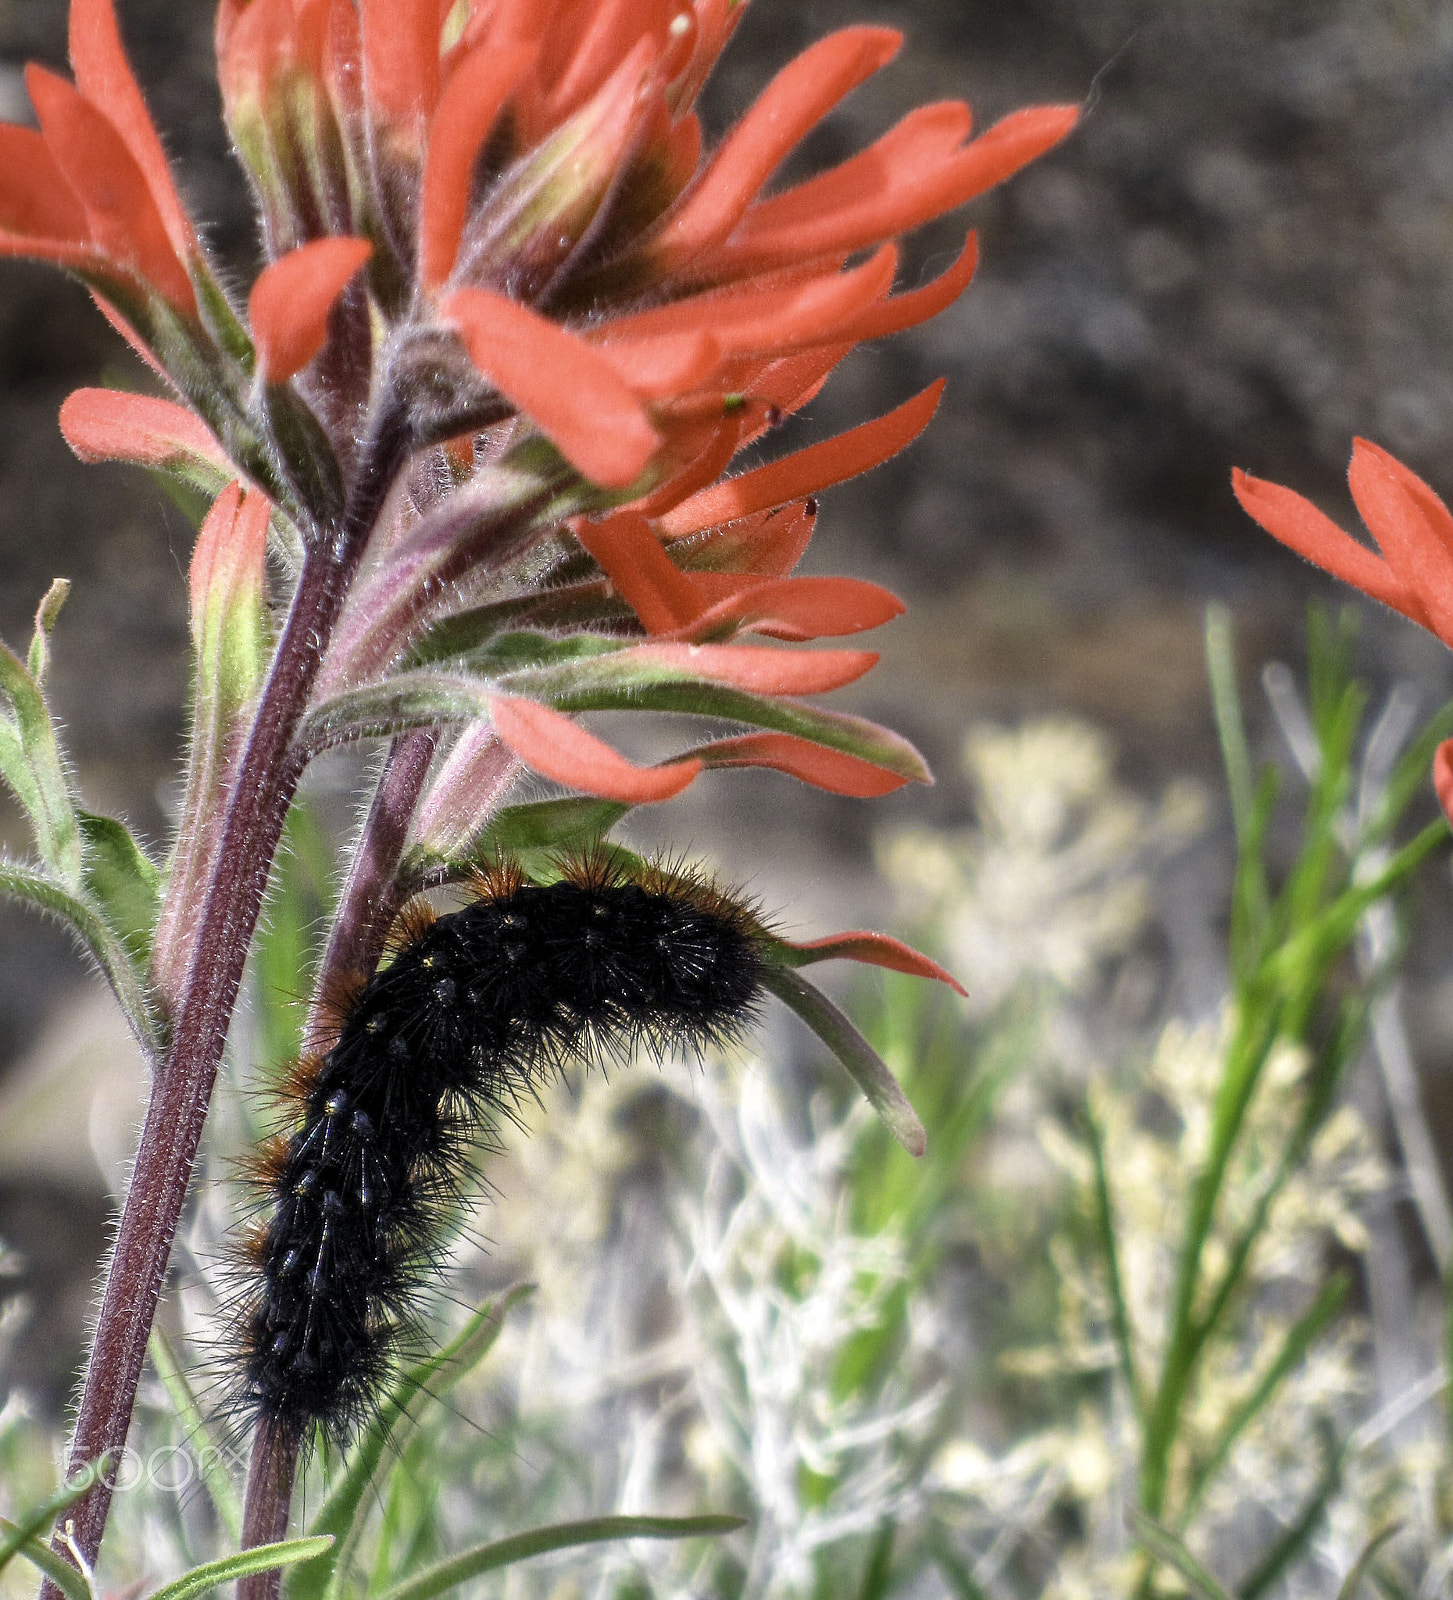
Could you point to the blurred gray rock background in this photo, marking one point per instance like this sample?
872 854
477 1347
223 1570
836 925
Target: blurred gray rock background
1244 256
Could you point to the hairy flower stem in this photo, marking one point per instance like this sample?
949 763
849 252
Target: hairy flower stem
354 946
261 794
370 897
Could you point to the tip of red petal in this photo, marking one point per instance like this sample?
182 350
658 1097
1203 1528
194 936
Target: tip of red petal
1443 776
877 950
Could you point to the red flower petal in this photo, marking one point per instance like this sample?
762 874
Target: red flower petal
799 609
104 76
920 143
760 669
1301 527
832 770
37 205
468 109
810 470
908 310
1443 776
107 425
768 544
560 749
1412 528
643 574
791 105
878 950
261 44
699 472
291 301
776 318
664 367
915 196
569 390
229 556
121 214
612 28
400 57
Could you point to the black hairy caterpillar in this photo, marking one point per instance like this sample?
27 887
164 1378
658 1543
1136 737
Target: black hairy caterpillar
476 1007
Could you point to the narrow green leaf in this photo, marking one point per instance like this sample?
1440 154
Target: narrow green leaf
866 1067
345 1511
1298 1535
878 1572
1110 1252
261 1558
434 699
575 605
1363 1565
1164 1546
123 881
36 888
446 1575
45 620
14 1536
1226 705
71 1583
30 762
1300 1338
215 1476
953 1569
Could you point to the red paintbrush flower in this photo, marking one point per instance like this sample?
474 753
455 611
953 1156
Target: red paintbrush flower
471 428
1414 533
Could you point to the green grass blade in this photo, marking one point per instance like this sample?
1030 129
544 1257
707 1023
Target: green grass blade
1110 1254
215 1477
1298 1536
1300 1338
446 1575
954 1569
345 1511
13 1536
1363 1565
261 1558
878 1573
1163 1545
1226 708
71 1583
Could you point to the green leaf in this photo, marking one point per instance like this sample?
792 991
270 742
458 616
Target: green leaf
1230 726
1164 1546
123 881
1300 1338
215 1476
45 620
61 1573
1110 1251
446 1575
878 1572
345 1511
261 1558
1363 1565
866 1067
38 889
30 762
422 699
575 605
15 1536
1298 1535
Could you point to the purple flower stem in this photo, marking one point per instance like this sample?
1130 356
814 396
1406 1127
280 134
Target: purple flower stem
182 1086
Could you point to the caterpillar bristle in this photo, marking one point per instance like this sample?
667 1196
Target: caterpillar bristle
336 1000
472 1014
